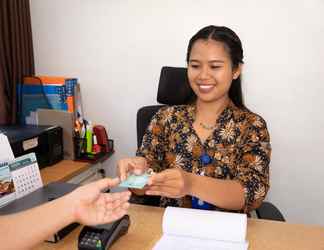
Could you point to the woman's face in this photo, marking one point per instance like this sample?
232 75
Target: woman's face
210 71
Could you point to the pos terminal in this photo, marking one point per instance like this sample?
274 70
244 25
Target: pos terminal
101 237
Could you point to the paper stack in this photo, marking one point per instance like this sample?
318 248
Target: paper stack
193 229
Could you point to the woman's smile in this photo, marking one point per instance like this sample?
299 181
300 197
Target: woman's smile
205 88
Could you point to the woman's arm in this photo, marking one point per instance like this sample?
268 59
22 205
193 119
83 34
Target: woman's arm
226 194
245 191
176 183
249 187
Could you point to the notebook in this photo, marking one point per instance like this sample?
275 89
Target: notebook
193 229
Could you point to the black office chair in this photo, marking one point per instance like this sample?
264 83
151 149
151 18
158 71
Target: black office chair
174 89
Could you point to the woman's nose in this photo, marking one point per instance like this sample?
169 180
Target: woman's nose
204 73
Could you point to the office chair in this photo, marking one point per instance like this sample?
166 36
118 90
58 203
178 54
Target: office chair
174 89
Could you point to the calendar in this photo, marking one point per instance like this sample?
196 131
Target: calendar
7 189
25 175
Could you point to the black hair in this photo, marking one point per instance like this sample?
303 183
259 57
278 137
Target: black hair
233 45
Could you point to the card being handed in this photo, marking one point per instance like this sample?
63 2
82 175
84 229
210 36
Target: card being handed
135 181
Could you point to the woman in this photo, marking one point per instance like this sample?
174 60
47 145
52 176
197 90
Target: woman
214 152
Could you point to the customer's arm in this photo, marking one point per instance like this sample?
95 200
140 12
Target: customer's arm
86 205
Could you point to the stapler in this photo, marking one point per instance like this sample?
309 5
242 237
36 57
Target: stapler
102 137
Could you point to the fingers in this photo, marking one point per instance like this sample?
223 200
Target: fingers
122 167
106 183
116 213
137 169
112 202
167 191
116 206
161 187
111 197
162 177
171 183
157 178
136 165
110 206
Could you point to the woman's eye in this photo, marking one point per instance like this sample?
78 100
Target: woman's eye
215 66
195 66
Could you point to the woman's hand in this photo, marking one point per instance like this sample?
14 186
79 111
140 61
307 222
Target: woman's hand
135 165
92 207
172 183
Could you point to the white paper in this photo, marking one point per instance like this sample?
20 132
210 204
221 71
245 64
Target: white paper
169 242
6 154
193 229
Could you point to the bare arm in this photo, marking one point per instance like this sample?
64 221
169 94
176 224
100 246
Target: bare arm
226 194
176 183
26 229
86 205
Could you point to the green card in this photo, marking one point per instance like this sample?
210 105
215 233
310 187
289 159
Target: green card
135 181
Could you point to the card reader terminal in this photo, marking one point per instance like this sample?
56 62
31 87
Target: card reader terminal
101 237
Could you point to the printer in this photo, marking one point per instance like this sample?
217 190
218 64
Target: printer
45 141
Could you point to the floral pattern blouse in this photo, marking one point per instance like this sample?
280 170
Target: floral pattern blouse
237 149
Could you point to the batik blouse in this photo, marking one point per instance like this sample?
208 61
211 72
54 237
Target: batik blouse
237 149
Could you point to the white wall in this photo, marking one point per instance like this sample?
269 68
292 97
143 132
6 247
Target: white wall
116 48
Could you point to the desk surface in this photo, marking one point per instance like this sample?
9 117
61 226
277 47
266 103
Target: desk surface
66 169
146 230
63 171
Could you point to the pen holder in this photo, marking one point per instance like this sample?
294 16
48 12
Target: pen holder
80 146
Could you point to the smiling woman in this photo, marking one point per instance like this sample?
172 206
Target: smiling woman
214 152
216 52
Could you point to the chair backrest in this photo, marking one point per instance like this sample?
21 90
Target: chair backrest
173 89
144 116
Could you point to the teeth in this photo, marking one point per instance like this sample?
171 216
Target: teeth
206 86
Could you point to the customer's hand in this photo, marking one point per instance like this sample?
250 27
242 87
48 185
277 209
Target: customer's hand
172 183
134 165
92 207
